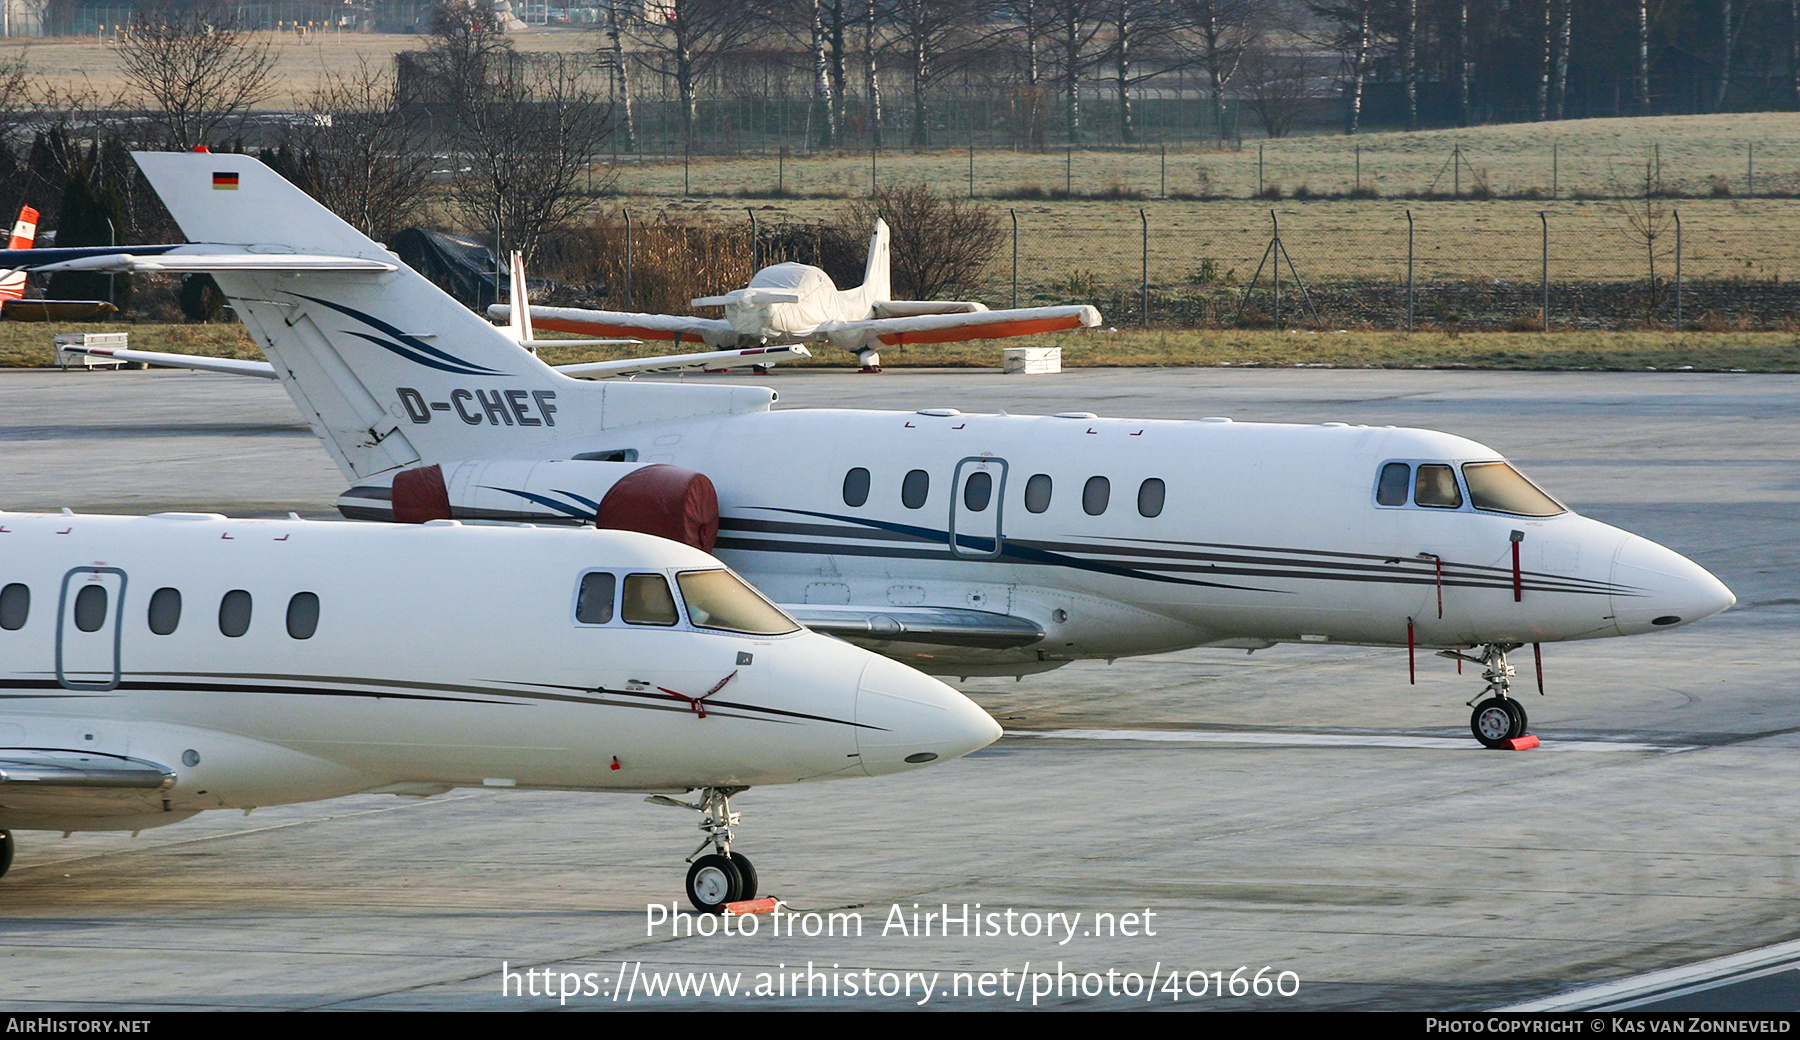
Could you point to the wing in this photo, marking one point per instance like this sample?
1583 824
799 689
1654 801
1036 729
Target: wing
38 784
955 328
715 332
707 361
231 366
941 626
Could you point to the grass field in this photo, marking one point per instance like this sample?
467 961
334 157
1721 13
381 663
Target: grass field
29 346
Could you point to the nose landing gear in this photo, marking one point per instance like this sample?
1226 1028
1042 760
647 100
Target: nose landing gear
722 876
1498 718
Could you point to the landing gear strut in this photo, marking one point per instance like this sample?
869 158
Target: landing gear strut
1498 717
721 876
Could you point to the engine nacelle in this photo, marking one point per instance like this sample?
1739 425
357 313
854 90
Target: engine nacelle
651 498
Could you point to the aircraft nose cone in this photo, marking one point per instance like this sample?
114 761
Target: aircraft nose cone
1655 588
906 719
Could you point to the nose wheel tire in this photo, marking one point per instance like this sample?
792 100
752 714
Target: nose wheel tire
712 882
746 874
1497 720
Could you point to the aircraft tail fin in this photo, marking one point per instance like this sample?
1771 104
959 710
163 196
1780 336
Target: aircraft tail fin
24 234
877 278
387 368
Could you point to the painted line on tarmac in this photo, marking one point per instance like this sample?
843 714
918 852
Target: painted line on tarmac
1374 740
1671 983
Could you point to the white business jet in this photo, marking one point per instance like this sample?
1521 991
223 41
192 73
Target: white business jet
793 303
963 544
155 667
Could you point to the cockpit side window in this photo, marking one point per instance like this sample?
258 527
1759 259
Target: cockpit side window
1436 487
719 599
1391 490
1498 488
648 601
594 598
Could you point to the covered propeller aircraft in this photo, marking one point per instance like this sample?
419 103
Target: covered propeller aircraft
963 544
13 304
792 303
155 667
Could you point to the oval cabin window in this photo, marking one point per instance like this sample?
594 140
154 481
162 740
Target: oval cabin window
856 487
234 613
165 611
303 615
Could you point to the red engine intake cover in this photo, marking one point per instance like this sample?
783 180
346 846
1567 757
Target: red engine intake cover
666 501
420 495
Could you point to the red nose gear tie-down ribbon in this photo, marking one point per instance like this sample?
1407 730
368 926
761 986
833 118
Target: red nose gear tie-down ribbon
695 702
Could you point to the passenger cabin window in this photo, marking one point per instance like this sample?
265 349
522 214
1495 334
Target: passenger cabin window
90 608
1150 497
648 600
234 613
15 606
1391 489
165 611
1037 493
594 599
1498 488
914 489
303 615
1095 494
718 599
978 490
856 487
1436 487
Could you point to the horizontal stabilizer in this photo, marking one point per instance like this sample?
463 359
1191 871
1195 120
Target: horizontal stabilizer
942 626
751 297
914 308
714 332
196 263
710 360
230 366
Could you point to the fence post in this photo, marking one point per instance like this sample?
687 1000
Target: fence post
1555 170
1259 171
1409 271
628 296
753 244
1750 170
1357 189
1069 172
1144 284
1165 172
873 151
1544 218
1015 272
971 163
781 171
1677 270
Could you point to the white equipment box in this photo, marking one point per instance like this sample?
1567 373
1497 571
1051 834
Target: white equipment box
114 340
1033 361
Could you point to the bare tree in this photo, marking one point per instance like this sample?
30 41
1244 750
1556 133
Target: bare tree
1355 36
941 245
1645 217
687 38
1220 30
525 146
193 67
360 154
1074 26
934 36
1278 87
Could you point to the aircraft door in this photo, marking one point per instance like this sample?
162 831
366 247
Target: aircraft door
976 496
88 618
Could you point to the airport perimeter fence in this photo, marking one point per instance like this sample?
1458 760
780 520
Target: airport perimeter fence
1396 167
1654 266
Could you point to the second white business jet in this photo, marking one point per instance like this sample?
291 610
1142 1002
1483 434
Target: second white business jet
963 544
155 667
